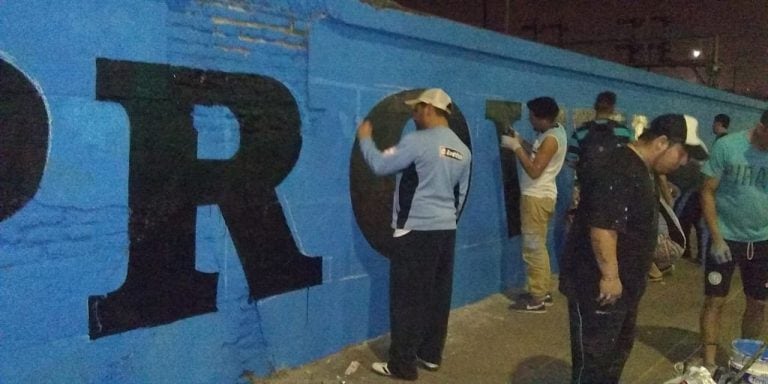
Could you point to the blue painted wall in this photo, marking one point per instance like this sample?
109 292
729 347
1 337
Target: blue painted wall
337 58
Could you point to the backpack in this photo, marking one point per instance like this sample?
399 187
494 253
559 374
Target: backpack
595 139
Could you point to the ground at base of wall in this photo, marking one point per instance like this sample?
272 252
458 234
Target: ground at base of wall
487 343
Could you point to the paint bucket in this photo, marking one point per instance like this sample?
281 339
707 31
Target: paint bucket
741 351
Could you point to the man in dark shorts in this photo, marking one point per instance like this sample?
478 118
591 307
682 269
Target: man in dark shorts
610 247
734 202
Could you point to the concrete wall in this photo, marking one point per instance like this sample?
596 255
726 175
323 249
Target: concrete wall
177 203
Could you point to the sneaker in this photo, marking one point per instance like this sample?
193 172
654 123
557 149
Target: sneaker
427 365
528 306
382 368
655 279
668 270
654 274
548 301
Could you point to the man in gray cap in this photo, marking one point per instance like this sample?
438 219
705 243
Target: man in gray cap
432 166
610 247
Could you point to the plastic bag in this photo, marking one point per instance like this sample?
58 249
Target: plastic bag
694 375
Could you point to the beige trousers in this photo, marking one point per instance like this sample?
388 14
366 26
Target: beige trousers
535 213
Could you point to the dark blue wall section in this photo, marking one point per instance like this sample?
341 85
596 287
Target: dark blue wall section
179 198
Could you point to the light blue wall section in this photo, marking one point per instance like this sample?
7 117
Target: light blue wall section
383 52
338 58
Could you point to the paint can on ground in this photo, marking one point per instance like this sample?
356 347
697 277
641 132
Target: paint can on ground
741 351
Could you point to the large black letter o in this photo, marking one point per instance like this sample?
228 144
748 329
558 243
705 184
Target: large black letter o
23 139
372 195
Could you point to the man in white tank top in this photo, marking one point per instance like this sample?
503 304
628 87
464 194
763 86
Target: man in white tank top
537 171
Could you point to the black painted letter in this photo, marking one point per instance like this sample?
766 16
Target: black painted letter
167 182
23 139
504 114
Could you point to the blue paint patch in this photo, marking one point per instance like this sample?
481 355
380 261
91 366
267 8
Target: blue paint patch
177 5
218 132
286 341
476 273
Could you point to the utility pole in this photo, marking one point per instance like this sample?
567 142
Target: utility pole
534 27
506 17
632 46
713 69
537 28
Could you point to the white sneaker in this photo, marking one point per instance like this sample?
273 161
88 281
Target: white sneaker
427 365
381 368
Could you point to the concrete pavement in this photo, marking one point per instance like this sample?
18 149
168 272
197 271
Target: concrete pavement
489 344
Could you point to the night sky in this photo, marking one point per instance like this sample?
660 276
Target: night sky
655 35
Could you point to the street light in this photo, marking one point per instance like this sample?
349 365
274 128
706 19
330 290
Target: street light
696 53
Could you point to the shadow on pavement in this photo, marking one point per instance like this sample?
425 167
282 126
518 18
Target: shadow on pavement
675 344
380 347
541 370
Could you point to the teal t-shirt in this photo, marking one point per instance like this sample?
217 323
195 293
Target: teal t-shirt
742 195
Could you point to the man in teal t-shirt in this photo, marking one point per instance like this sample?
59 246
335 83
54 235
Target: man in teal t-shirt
734 202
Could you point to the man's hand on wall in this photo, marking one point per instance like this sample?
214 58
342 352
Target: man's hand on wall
364 130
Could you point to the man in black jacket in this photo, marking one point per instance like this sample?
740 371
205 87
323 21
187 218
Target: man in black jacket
611 244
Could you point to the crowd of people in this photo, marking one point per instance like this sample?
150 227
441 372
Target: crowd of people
638 192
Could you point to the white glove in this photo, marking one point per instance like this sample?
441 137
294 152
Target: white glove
719 252
510 142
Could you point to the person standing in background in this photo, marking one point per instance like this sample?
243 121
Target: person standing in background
598 136
720 125
537 203
593 140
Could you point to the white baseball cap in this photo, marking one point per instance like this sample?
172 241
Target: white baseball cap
435 97
692 136
683 129
696 148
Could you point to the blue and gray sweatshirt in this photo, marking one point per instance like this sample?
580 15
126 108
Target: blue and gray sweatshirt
433 178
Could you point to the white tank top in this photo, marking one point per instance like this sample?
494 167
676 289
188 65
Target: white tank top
545 185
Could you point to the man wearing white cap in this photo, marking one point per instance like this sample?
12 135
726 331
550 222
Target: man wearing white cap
734 203
611 244
432 166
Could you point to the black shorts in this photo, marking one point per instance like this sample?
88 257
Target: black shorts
753 264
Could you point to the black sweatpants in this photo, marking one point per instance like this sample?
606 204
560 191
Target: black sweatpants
420 284
601 339
688 210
